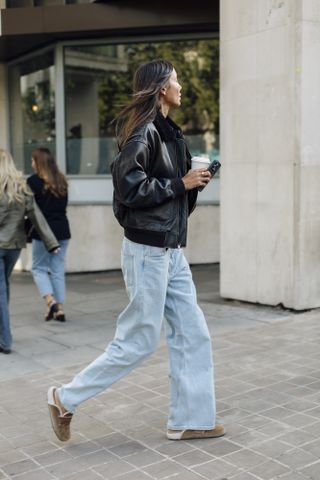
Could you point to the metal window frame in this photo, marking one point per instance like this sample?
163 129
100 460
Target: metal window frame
60 120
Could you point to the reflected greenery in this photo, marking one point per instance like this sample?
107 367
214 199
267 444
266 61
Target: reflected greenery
197 65
98 80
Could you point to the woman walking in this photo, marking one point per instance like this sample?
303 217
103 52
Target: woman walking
50 189
16 202
154 192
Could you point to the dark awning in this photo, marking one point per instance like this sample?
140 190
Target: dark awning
26 29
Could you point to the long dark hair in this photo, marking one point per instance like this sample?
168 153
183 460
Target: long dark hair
47 169
148 81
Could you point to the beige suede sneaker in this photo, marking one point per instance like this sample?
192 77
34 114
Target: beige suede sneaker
216 432
60 421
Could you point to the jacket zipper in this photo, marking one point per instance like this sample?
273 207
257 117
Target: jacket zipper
177 165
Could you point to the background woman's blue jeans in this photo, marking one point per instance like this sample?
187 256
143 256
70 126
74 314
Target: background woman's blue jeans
48 269
8 258
159 284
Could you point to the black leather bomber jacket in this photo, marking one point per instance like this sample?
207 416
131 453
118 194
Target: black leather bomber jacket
150 201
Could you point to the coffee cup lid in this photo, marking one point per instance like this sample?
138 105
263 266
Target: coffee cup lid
201 159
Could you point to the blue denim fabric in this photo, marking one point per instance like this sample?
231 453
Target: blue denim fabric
48 269
159 284
8 258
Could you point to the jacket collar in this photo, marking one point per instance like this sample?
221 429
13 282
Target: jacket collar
166 127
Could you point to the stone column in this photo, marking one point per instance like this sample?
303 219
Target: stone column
4 116
270 150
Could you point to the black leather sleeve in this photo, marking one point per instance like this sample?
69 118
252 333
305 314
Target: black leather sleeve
192 194
192 200
133 186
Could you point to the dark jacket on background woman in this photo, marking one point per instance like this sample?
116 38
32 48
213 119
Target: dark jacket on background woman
53 208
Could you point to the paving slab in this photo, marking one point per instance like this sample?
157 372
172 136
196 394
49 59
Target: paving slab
267 368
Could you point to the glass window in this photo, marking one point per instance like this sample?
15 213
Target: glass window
32 107
42 3
19 3
98 81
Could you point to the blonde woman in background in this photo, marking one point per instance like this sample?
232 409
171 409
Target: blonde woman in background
16 202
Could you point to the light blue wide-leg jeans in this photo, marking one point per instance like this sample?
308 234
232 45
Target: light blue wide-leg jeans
159 283
192 403
48 269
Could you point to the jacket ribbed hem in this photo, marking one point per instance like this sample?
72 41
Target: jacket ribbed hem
154 239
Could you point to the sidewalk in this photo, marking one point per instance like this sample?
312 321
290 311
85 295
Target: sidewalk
267 385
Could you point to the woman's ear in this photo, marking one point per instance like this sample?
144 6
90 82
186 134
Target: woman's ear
163 90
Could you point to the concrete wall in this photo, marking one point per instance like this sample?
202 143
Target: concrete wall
270 144
96 239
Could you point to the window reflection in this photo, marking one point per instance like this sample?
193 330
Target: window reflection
89 141
42 3
98 81
32 108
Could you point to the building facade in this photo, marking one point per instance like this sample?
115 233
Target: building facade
66 71
65 68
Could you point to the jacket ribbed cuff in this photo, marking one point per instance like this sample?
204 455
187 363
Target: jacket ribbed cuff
178 187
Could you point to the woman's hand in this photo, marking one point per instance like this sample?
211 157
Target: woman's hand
55 250
199 177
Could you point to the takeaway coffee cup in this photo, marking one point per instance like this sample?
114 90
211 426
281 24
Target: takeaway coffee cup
199 162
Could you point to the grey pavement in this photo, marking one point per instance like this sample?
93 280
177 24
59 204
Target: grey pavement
267 369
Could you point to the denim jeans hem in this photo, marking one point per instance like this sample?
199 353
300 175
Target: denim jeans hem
72 410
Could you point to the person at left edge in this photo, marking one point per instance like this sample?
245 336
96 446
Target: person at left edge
16 202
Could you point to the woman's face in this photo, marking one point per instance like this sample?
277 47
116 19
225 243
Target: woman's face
171 93
33 165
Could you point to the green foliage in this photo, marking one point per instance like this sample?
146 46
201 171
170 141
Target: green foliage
197 65
42 98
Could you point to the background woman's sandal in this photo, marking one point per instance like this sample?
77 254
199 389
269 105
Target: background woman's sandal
59 316
53 308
